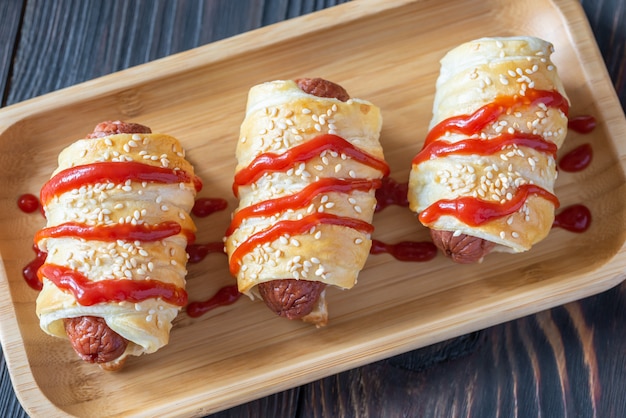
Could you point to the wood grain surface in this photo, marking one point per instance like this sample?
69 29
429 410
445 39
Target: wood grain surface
566 361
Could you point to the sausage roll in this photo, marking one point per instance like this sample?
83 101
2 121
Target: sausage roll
309 161
117 210
484 179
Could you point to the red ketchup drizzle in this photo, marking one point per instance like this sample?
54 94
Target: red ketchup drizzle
485 147
116 172
293 227
129 232
577 159
406 250
301 199
270 162
198 252
30 271
227 295
471 124
89 293
206 206
470 210
391 193
280 162
582 124
575 218
474 212
28 203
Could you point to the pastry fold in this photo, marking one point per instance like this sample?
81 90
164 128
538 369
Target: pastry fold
117 210
487 168
306 176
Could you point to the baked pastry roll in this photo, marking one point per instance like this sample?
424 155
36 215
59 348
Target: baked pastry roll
309 161
117 210
484 179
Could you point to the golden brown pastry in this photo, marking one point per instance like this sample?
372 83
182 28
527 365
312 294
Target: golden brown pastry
117 210
484 179
309 161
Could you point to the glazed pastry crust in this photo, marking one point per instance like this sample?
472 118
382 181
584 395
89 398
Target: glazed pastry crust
146 325
473 75
279 117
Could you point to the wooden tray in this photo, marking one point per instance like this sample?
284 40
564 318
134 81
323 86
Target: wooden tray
387 52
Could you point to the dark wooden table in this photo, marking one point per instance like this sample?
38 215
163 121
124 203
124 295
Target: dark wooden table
567 361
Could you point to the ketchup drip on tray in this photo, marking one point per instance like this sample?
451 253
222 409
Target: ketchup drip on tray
30 271
198 252
206 206
575 218
391 193
406 250
582 124
227 295
28 203
577 159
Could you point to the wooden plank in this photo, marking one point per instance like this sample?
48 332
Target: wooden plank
10 18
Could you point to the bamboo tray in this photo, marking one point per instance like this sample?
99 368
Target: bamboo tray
387 52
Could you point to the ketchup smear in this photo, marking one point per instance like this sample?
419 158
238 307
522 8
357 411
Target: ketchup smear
30 271
205 206
227 295
406 250
198 252
391 193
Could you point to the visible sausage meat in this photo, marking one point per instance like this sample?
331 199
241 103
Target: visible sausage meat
323 88
290 298
93 340
118 127
463 249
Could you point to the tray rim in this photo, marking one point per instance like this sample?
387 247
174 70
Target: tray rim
33 399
